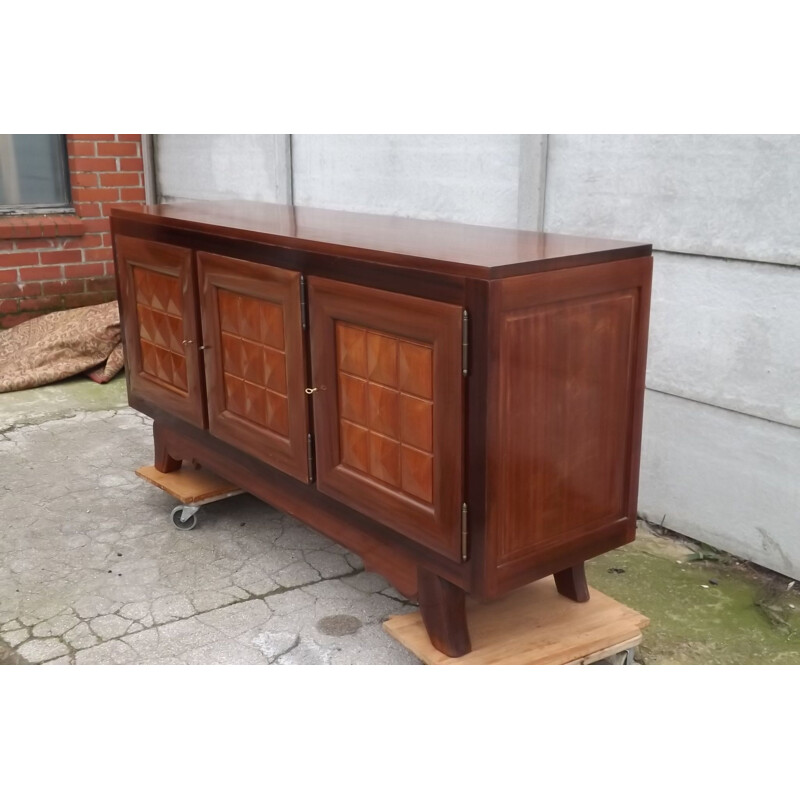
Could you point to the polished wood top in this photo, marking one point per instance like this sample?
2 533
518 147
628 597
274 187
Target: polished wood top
453 248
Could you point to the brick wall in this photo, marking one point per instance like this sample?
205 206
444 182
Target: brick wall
56 261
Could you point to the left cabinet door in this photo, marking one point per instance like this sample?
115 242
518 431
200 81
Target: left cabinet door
254 360
158 297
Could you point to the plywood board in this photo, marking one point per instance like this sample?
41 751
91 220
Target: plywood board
533 625
190 486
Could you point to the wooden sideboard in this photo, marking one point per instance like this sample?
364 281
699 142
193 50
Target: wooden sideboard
459 405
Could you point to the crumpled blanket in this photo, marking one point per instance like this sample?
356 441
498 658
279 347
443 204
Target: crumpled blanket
58 345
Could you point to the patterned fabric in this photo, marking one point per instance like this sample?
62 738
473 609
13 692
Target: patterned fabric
59 345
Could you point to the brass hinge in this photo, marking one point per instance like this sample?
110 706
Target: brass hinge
465 343
310 454
464 533
303 309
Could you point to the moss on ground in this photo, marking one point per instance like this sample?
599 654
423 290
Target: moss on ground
704 607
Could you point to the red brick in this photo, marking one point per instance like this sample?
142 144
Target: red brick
75 148
129 137
60 256
48 302
39 273
27 227
120 179
70 225
98 254
62 287
87 210
93 137
95 195
117 149
132 194
20 289
108 206
107 239
49 227
9 276
34 244
24 259
86 179
97 225
7 306
131 165
84 242
82 164
83 270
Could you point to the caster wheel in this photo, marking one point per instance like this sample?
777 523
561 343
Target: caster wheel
183 524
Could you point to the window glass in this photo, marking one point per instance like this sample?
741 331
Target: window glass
33 171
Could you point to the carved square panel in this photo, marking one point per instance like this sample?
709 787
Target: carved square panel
161 328
384 459
232 355
415 368
353 398
417 473
354 445
271 331
228 307
371 367
252 327
234 395
416 422
255 403
274 370
277 413
351 349
383 410
252 362
382 359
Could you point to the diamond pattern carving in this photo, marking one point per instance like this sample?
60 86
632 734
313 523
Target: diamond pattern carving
385 386
254 360
158 309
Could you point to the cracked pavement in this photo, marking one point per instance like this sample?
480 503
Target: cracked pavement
92 571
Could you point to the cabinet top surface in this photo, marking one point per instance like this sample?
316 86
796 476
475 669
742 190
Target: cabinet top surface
469 250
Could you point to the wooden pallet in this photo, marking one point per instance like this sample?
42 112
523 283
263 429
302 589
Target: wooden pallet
533 625
192 487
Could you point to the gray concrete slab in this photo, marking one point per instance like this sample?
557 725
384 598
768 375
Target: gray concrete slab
93 572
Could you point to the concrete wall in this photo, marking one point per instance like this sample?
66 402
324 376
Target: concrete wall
721 453
223 167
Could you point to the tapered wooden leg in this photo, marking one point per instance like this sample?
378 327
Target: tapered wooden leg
444 613
572 583
164 462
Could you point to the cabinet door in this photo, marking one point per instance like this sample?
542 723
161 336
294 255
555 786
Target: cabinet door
158 296
388 410
255 369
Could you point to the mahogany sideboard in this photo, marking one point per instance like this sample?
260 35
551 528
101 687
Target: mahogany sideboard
460 405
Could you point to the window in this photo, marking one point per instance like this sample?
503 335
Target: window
33 173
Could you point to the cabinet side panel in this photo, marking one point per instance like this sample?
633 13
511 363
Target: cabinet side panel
567 400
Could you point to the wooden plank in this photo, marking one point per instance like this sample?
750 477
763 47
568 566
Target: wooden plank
190 486
533 625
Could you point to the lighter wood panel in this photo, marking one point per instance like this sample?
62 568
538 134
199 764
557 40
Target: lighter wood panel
158 306
388 420
533 625
254 368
